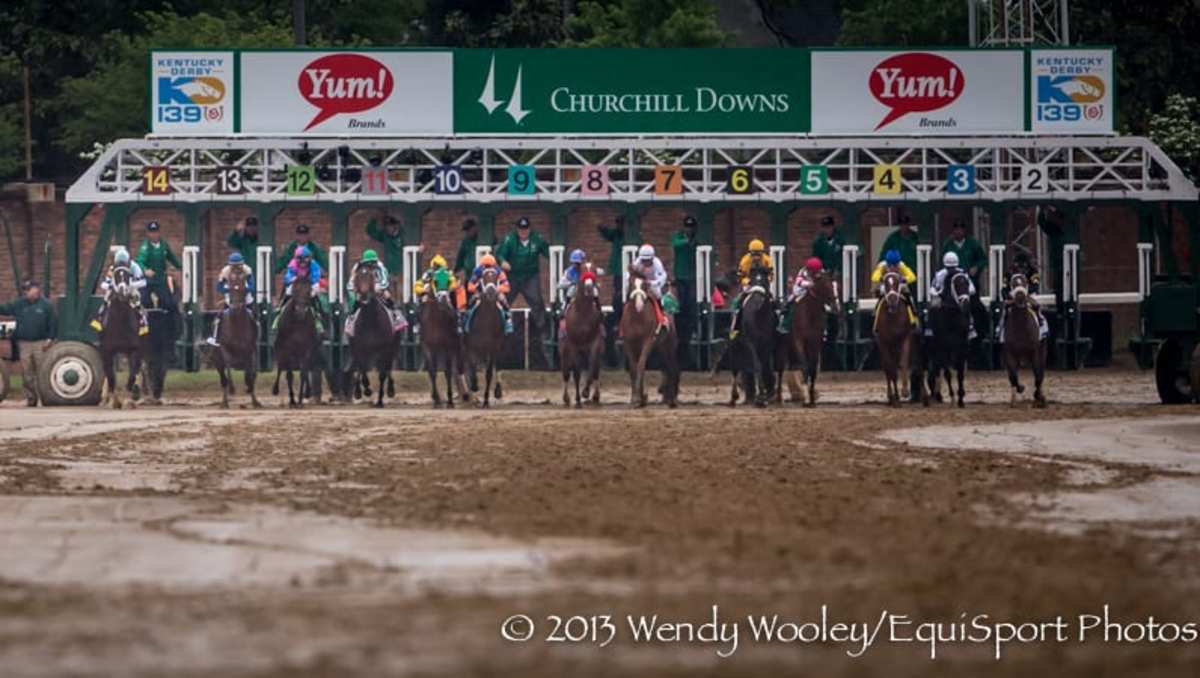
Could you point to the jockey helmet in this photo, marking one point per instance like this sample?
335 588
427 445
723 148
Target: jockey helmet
121 256
438 261
487 260
892 257
757 245
950 260
370 255
646 252
301 252
236 258
813 265
578 257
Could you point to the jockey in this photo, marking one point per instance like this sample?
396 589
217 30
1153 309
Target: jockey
755 259
236 261
894 263
487 263
136 283
301 265
804 280
430 280
1023 266
576 273
650 268
938 286
370 259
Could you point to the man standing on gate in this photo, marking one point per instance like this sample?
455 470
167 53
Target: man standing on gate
973 260
828 247
302 238
904 240
518 256
244 239
34 334
683 243
153 256
464 261
391 238
615 236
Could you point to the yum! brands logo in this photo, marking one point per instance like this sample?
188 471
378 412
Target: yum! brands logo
915 82
344 83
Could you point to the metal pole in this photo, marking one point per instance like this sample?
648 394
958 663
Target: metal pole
298 29
973 22
1065 33
28 124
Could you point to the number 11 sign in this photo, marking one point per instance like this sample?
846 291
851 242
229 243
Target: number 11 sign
374 181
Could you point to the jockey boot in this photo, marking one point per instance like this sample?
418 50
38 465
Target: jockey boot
143 323
508 323
785 318
95 324
212 340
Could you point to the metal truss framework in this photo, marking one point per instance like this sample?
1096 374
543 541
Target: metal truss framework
1077 168
1014 23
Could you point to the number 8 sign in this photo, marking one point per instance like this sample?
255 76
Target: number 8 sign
593 180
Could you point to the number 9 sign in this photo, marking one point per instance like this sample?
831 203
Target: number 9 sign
521 180
741 179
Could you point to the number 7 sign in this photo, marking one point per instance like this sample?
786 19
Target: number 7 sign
668 179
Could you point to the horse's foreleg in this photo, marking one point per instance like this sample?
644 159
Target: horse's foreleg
450 364
593 387
1014 377
1039 374
565 359
383 375
431 367
488 375
575 377
250 376
961 370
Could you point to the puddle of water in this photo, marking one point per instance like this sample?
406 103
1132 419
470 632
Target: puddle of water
1157 501
125 476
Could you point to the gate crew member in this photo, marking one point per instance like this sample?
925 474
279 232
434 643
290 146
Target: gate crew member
828 248
904 240
153 256
683 243
244 239
35 331
391 238
518 256
972 259
464 261
755 259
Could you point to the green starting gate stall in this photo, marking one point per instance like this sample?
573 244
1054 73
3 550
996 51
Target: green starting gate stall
702 175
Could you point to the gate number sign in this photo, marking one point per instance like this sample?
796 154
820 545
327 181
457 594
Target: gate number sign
814 180
230 181
447 179
374 181
521 180
960 179
668 180
156 181
1034 179
741 179
887 178
301 179
593 180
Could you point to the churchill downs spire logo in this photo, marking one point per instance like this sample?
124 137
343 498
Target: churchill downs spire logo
344 83
916 82
487 98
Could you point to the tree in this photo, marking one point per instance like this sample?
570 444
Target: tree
1176 130
12 137
645 23
912 23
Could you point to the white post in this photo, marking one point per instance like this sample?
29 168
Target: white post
995 270
777 262
850 272
628 254
262 273
924 270
557 266
703 273
1070 281
337 274
480 250
412 269
1145 268
191 281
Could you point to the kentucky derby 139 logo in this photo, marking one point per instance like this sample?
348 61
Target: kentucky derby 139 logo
191 90
1072 89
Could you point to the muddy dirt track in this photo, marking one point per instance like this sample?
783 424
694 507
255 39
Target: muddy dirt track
187 541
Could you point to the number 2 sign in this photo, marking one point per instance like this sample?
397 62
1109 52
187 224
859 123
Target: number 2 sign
1034 179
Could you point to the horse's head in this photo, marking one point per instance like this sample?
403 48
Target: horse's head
588 287
489 284
301 294
891 288
364 282
1018 286
122 277
760 280
960 287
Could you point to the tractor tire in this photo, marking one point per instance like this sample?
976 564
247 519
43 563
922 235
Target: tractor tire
1170 374
71 374
4 385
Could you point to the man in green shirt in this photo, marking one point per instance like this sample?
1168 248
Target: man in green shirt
828 246
971 257
34 334
464 261
244 239
153 255
391 238
615 236
683 244
285 254
904 240
518 255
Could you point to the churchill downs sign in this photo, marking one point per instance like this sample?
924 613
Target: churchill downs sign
440 92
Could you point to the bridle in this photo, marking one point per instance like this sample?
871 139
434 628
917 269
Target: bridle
892 286
1019 287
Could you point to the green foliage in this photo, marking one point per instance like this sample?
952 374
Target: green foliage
904 23
1176 130
527 23
645 23
12 138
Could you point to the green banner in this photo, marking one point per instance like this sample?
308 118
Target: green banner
631 91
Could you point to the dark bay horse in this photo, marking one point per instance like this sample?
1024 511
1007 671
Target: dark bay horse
372 346
756 342
583 343
162 314
296 342
440 342
119 336
237 337
1023 344
950 321
638 326
485 338
895 337
801 348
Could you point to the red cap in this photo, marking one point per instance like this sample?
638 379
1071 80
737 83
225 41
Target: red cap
813 264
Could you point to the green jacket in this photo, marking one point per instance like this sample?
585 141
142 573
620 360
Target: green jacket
522 258
615 236
245 244
393 245
829 251
970 254
907 247
152 258
285 255
465 259
685 256
35 321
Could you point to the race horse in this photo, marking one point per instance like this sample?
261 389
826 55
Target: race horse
297 343
950 322
582 342
638 330
162 316
755 343
440 342
801 349
896 339
119 336
237 337
485 338
1023 344
372 344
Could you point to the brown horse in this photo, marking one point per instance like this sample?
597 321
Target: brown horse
372 345
950 320
237 337
583 342
119 336
895 336
296 342
440 342
485 338
638 326
801 349
1023 344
